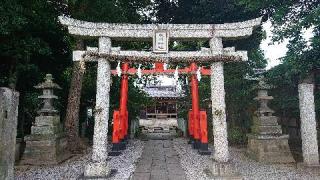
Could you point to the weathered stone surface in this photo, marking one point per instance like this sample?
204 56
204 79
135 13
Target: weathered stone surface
221 153
99 165
46 130
176 31
223 171
308 125
47 143
141 176
266 143
99 169
9 101
47 121
272 149
156 165
172 56
18 149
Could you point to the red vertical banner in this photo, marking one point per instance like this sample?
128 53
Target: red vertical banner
116 128
127 124
190 123
195 102
203 127
124 100
204 147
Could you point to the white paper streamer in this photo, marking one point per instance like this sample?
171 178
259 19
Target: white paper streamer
139 73
176 74
199 74
165 66
118 69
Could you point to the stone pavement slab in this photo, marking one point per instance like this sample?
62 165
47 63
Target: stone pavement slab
141 176
159 161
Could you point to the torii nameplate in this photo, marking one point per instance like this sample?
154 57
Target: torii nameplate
161 41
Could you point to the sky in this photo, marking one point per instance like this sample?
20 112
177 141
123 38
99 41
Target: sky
273 52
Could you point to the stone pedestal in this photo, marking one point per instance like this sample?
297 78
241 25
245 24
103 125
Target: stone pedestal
47 143
266 143
9 101
223 171
269 148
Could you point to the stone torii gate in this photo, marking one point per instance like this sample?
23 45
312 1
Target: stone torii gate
160 34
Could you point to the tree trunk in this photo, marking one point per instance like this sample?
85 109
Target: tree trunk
75 145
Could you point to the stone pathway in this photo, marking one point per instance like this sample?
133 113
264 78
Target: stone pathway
159 161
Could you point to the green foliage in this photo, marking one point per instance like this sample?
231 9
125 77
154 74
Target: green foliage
113 11
236 136
289 20
285 92
33 43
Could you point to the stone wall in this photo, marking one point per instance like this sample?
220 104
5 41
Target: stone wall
9 101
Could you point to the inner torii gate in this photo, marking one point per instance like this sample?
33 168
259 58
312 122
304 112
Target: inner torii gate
160 34
197 122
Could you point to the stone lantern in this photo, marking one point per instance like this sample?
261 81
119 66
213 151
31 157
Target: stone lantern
48 96
266 143
47 143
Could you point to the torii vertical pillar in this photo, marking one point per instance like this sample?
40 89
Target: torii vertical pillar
98 167
221 167
221 151
308 124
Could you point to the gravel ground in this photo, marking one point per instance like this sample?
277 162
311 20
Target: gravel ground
73 168
194 164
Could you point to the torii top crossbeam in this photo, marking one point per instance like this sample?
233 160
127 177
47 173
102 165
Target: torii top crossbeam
213 32
176 31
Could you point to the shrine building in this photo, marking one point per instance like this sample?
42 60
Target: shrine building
162 113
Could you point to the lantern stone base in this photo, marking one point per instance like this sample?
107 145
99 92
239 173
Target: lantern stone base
47 143
223 171
269 148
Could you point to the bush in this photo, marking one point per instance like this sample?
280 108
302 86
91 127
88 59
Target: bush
236 136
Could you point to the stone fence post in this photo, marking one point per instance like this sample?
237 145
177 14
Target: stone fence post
9 101
308 124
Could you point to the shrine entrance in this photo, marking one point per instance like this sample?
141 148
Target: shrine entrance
197 123
215 56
